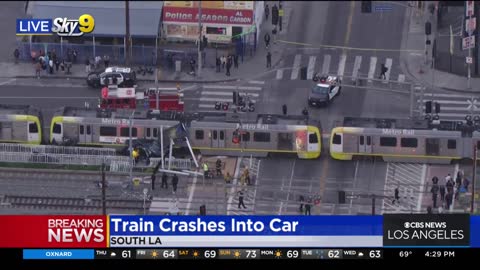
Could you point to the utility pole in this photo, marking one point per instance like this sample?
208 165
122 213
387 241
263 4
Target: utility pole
130 123
104 191
199 39
127 33
474 174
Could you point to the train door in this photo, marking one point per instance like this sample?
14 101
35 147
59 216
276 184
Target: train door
88 133
365 144
33 134
218 138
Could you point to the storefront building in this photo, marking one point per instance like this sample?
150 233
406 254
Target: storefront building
221 20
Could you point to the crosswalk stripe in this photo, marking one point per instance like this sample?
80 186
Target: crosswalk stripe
356 66
326 64
341 65
279 74
216 99
401 78
447 95
373 65
296 66
252 88
451 102
209 106
311 67
219 87
388 64
256 82
454 109
225 93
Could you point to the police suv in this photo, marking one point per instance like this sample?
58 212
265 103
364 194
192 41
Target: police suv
119 76
326 88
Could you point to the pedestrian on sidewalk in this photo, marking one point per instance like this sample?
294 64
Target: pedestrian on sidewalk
218 63
33 55
229 65
284 109
106 60
75 54
50 66
87 65
269 60
240 200
54 56
458 180
227 178
434 191
235 61
16 54
308 208
434 180
62 65
192 66
223 59
466 182
267 40
164 181
449 199
442 193
274 33
174 183
38 69
57 64
302 201
218 167
267 12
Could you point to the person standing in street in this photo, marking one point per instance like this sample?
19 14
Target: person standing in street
269 60
302 201
164 181
240 200
284 109
267 12
218 63
308 208
235 60
16 54
267 40
174 183
305 113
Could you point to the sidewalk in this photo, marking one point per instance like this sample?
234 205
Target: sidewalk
251 68
413 62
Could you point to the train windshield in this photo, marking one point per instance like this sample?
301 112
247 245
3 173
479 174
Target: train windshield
321 89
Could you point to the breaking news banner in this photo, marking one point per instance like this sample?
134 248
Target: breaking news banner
426 230
245 231
53 231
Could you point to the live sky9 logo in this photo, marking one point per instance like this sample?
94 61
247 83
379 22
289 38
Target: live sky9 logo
63 27
74 28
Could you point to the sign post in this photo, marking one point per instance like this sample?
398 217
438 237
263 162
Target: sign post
469 42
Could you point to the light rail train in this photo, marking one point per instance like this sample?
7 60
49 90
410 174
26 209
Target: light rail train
20 124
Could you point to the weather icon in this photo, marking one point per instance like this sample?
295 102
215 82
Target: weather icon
278 254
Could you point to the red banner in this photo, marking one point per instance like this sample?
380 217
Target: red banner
214 16
53 232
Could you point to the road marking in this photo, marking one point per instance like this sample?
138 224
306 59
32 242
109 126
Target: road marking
311 67
213 93
448 95
279 74
341 65
349 23
252 88
422 183
7 82
296 66
313 46
289 188
356 66
401 78
326 64
467 102
388 64
256 82
219 87
216 99
326 136
371 70
190 196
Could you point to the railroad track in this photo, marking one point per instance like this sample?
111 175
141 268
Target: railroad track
59 203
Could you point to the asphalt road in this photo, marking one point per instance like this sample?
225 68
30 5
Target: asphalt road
338 24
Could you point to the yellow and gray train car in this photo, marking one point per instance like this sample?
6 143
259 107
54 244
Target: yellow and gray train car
209 137
20 124
397 141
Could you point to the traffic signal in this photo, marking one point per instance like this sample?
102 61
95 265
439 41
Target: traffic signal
437 107
366 6
104 92
428 28
428 107
203 210
341 197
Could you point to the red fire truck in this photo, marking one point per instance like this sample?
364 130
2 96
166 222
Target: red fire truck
162 99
